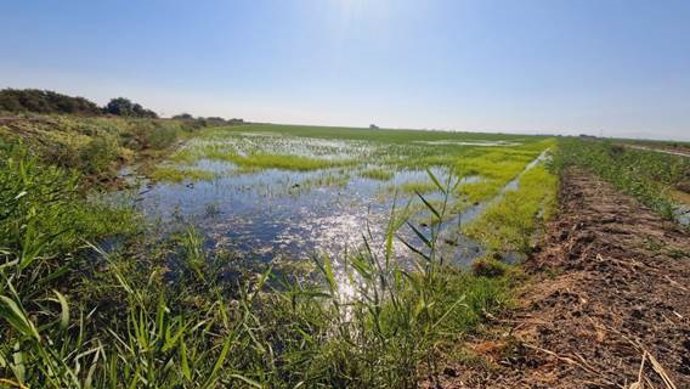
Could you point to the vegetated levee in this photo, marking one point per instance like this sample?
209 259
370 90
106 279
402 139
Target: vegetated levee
93 296
660 181
607 307
97 147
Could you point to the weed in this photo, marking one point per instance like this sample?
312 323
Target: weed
179 174
377 174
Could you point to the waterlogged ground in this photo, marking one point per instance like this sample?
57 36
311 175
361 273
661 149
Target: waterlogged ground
272 193
278 213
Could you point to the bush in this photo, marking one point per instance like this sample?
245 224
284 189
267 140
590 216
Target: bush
162 136
124 107
43 101
99 155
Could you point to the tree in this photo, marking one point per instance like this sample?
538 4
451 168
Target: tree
121 106
44 101
183 116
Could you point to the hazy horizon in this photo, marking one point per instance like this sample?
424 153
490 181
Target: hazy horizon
557 67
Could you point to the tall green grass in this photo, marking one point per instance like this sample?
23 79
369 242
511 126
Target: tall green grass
379 174
177 174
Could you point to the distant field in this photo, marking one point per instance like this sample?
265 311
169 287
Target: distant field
385 135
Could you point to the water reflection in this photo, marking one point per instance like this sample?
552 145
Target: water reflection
276 214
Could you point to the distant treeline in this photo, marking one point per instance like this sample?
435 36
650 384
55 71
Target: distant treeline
50 102
208 121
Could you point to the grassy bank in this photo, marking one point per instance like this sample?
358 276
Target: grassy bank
95 146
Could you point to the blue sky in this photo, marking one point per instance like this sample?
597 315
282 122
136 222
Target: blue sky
617 66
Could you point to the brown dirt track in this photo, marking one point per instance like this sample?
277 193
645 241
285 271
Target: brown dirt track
607 304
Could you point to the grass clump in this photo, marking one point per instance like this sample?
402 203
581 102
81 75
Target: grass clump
176 174
43 209
377 174
422 187
328 179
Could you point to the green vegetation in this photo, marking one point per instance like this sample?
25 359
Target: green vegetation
382 135
212 121
96 146
28 102
328 179
167 311
43 214
175 174
649 176
490 266
255 147
252 158
496 168
278 161
74 316
121 106
422 187
509 224
39 101
377 174
49 102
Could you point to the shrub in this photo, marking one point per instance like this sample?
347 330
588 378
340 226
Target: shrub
124 107
99 154
162 136
43 101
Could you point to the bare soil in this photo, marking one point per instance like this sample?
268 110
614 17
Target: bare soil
607 304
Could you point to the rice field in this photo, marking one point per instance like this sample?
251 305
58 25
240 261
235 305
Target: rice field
282 192
264 256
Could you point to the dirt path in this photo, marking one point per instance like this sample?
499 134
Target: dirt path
608 303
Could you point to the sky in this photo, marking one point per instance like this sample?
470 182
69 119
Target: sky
618 68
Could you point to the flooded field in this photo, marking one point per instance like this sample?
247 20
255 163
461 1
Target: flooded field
272 193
